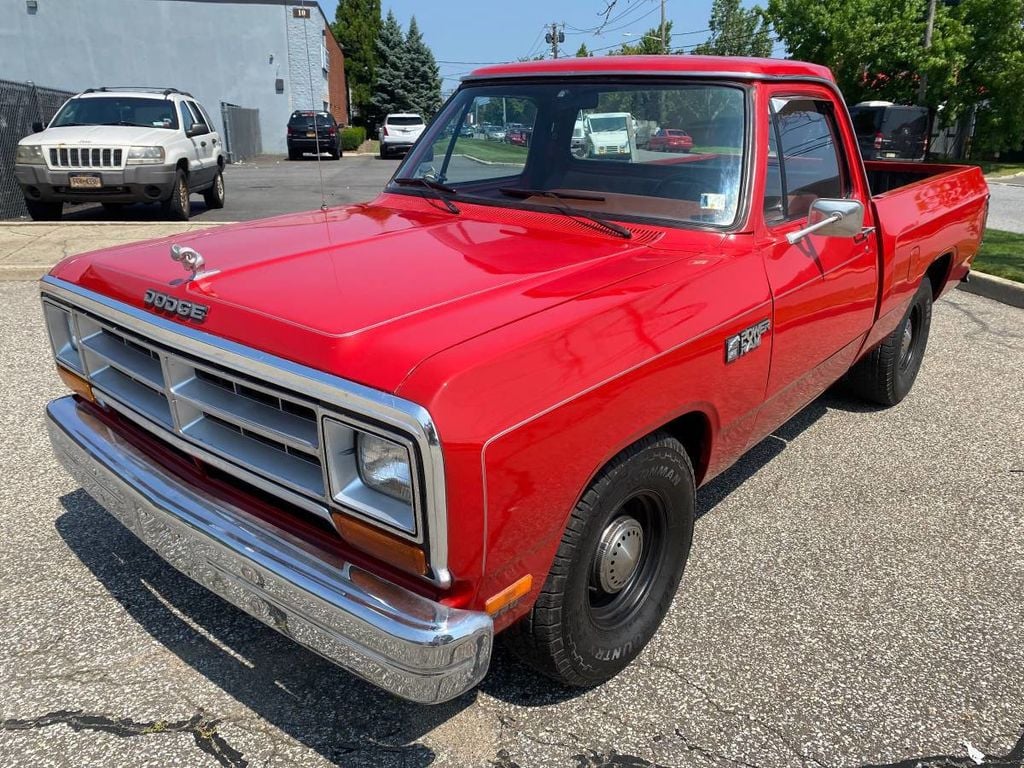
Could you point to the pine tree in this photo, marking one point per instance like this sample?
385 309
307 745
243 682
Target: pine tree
423 77
582 52
391 91
356 26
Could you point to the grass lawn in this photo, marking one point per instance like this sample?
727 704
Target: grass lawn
491 151
1002 254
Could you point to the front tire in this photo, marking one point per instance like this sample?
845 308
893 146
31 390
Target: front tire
214 196
44 211
617 568
886 374
177 207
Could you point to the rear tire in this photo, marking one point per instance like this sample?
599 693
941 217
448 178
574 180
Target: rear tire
886 374
40 211
617 568
294 154
177 207
383 152
214 196
336 153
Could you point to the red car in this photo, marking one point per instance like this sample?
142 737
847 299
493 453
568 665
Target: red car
670 140
518 136
483 401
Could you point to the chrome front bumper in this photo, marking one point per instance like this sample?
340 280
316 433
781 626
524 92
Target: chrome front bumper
411 646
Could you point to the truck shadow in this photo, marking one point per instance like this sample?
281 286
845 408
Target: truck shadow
341 717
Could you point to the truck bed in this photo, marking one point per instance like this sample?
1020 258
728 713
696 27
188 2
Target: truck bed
923 212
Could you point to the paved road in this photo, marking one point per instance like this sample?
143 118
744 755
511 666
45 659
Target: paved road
854 597
268 186
1006 208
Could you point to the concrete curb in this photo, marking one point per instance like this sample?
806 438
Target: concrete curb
995 288
12 273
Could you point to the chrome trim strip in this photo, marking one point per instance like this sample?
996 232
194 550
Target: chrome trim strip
403 415
409 645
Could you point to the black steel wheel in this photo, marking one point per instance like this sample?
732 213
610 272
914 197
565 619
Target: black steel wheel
617 567
886 374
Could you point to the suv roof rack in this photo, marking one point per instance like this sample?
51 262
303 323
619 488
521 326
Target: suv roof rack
145 88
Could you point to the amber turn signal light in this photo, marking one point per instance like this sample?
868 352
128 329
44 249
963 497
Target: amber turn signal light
407 557
499 602
76 384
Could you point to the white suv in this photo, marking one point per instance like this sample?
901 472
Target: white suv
399 132
122 145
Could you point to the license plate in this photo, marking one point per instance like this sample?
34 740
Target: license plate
311 135
85 181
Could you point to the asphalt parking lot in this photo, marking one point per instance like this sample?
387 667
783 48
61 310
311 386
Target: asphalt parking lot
270 185
855 597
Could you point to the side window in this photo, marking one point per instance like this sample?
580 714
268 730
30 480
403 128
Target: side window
187 121
810 163
197 115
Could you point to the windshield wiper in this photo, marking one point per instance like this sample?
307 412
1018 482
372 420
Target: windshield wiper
437 187
125 122
569 210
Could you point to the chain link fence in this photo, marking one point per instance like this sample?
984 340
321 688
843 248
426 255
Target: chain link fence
242 137
21 104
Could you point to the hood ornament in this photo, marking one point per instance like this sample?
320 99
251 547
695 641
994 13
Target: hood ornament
191 260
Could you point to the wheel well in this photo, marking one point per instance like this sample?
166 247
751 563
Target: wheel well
938 273
183 165
693 430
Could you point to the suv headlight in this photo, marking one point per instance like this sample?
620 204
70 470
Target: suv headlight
30 154
373 476
145 155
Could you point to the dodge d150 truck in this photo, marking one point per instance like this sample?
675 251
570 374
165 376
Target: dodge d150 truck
483 401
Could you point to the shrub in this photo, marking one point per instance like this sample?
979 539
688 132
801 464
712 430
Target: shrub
352 137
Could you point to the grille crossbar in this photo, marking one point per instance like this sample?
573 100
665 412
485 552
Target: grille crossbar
269 432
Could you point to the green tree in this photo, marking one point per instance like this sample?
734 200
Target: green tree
356 26
391 90
422 76
875 49
582 52
736 31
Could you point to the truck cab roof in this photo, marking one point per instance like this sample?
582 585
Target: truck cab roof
736 67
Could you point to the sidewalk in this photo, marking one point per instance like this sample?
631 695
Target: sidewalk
28 250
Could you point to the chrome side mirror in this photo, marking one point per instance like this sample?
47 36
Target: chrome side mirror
831 218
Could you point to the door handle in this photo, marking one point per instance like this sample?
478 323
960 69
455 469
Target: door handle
202 143
863 235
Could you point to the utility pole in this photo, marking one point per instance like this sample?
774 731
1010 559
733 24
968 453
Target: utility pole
664 42
554 37
922 90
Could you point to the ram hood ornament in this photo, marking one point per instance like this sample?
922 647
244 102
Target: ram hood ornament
192 260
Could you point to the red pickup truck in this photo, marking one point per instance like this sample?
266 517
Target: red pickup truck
484 401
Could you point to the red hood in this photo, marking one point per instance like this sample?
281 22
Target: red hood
368 291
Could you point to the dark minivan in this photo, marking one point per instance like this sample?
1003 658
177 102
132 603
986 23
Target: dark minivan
314 132
887 131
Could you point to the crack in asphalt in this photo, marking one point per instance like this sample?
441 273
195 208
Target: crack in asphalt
203 730
727 710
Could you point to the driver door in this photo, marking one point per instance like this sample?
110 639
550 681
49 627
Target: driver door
824 288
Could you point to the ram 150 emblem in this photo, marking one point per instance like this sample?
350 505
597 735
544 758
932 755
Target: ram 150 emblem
745 341
186 310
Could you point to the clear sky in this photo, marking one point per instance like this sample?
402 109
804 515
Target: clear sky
488 31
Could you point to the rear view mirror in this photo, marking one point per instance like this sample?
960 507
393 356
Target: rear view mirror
37 127
831 218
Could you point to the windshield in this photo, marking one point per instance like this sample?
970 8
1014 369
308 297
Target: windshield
601 124
592 139
117 110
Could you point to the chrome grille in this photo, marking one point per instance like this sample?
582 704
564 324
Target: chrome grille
257 428
86 157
